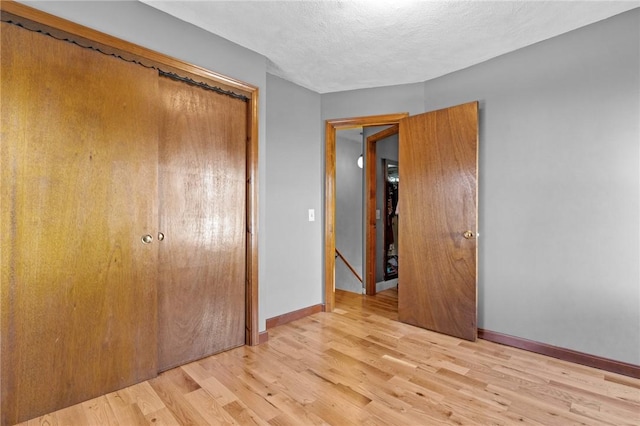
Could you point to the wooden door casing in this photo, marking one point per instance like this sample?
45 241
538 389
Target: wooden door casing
438 203
202 173
78 179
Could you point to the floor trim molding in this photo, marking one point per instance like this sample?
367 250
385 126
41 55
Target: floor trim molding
562 353
263 337
294 315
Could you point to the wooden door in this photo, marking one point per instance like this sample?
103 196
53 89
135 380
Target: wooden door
438 205
78 191
202 172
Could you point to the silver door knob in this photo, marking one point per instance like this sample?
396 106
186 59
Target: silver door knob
146 239
468 235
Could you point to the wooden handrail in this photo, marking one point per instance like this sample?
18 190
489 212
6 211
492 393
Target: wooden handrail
348 265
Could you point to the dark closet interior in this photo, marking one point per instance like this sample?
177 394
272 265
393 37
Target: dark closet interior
391 217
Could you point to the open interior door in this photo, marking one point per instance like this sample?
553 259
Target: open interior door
438 219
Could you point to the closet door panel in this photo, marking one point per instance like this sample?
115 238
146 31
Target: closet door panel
78 191
202 172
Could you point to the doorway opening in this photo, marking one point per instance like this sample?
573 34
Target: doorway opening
330 194
437 252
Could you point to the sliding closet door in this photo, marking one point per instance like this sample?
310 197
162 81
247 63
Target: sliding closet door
78 191
202 172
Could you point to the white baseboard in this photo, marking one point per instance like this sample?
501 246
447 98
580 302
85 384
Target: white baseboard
386 285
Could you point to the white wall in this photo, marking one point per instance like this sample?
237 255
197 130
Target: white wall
559 187
293 278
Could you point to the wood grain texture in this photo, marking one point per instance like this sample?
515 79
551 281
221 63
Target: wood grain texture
358 366
78 192
202 188
329 216
41 21
437 204
330 191
370 188
252 317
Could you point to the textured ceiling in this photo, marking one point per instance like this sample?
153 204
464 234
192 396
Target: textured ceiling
330 46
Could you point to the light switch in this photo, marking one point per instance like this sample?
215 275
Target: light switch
312 215
378 214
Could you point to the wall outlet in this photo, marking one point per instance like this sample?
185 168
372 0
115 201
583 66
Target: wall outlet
312 215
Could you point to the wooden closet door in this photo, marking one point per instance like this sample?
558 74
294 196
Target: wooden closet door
202 173
78 191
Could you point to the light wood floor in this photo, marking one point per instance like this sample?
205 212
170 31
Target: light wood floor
357 366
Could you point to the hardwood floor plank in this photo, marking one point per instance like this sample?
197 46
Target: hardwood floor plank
595 414
243 415
74 415
293 411
127 412
209 408
144 397
161 417
257 403
358 366
99 412
174 399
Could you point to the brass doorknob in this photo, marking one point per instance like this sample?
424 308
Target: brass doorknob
160 236
146 239
468 235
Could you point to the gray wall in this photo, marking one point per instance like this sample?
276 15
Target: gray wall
349 203
375 101
293 184
559 187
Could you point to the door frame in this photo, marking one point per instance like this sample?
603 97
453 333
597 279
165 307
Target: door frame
36 20
371 190
331 126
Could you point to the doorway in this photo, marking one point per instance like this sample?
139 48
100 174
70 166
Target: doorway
331 127
437 234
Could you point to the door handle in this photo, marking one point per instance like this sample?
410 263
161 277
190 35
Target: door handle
146 239
160 236
468 235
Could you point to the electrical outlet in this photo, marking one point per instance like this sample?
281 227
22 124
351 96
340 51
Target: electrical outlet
312 215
